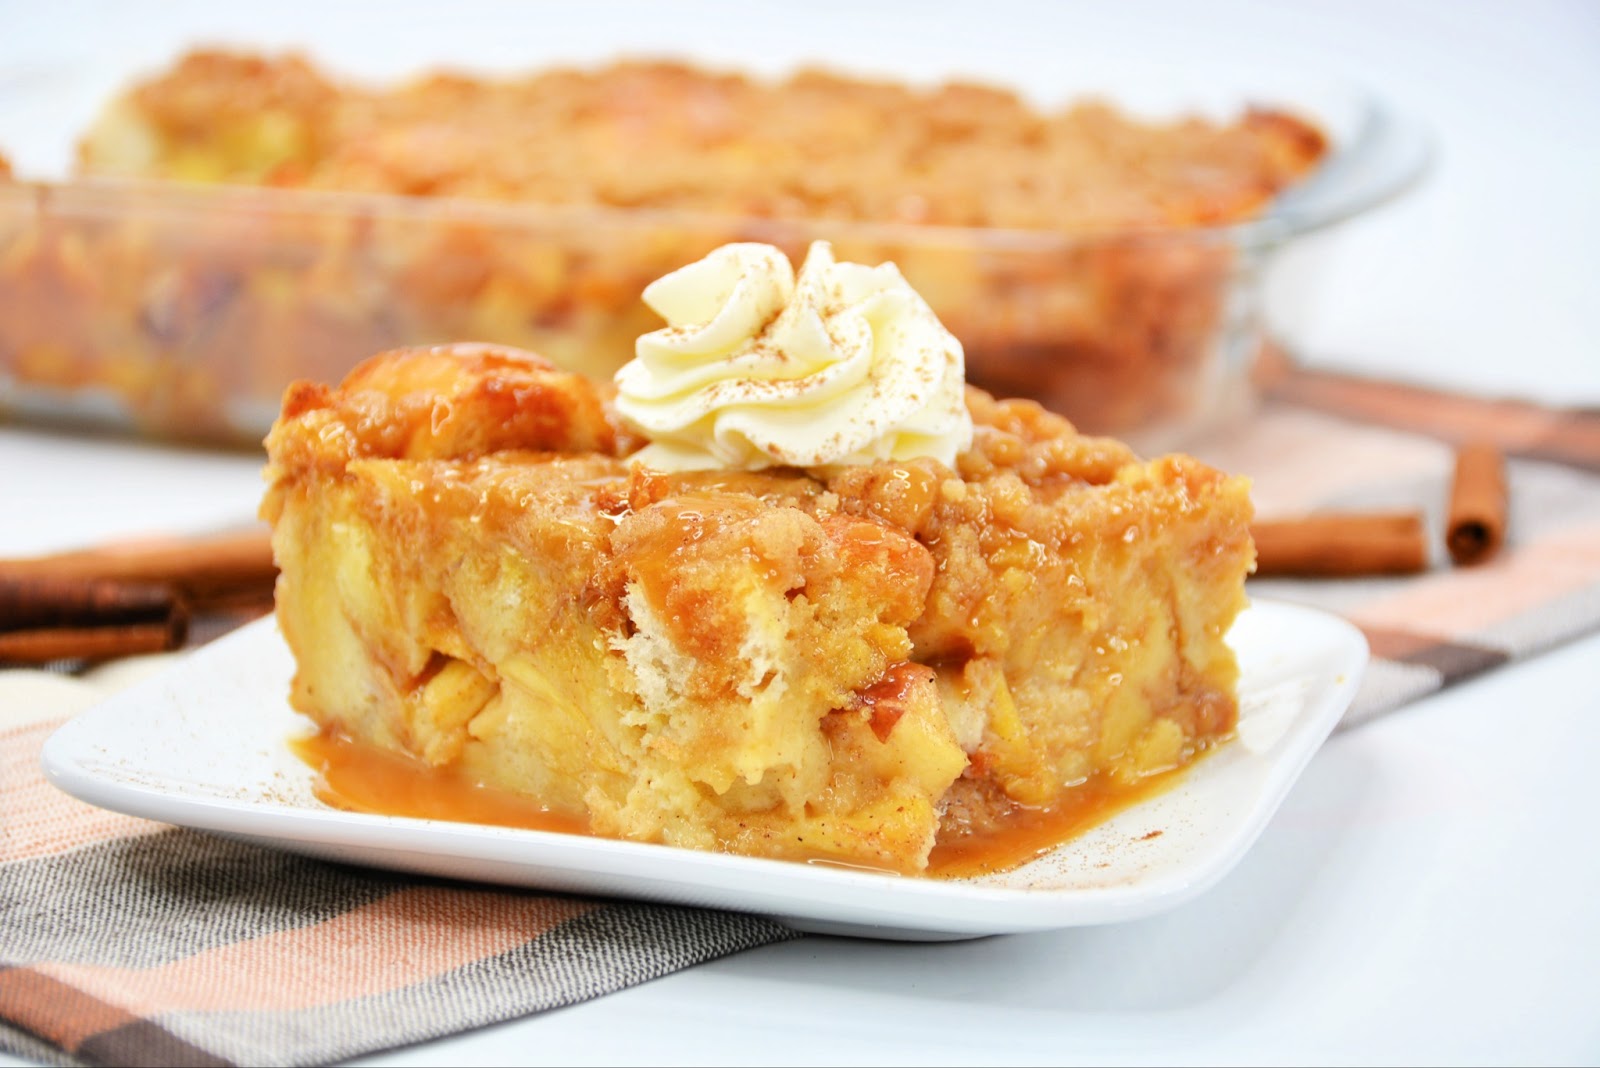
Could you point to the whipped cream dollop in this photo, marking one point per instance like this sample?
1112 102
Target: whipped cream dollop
845 364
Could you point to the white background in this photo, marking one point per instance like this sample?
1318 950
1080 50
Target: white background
1427 893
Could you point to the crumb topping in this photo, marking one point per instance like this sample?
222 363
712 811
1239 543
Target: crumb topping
818 144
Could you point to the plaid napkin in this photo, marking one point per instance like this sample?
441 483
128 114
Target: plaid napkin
127 942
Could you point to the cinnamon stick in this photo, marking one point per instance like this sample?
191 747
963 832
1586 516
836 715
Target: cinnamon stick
203 570
1476 523
34 603
1342 545
90 643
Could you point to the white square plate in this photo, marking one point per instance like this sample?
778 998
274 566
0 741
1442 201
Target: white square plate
205 746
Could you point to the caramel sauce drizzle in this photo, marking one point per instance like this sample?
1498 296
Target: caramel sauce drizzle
1024 833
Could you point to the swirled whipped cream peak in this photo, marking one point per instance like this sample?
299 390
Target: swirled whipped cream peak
844 364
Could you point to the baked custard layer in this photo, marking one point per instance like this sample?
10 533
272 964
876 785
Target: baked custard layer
845 665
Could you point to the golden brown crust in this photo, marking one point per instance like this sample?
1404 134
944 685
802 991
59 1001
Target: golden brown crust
457 402
816 145
219 115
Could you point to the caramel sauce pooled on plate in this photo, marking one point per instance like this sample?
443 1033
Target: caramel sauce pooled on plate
1023 833
362 778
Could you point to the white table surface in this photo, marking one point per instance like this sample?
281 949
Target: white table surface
1427 892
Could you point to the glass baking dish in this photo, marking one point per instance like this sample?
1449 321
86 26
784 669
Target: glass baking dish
182 311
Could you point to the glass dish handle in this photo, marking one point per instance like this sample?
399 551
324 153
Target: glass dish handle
1389 153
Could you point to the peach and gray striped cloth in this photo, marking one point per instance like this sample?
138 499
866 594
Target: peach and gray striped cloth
127 942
